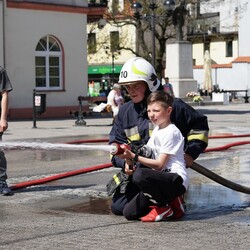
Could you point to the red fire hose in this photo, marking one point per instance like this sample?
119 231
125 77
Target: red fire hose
227 136
227 146
59 176
219 136
200 169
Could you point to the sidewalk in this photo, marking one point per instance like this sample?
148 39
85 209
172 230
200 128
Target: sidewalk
236 118
56 128
73 213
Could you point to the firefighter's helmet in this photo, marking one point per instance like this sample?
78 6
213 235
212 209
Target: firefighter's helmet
138 69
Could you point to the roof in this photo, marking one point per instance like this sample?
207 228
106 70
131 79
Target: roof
242 59
215 66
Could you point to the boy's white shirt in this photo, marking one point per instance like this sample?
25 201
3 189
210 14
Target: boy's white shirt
170 141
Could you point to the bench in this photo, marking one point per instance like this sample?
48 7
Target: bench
93 100
234 94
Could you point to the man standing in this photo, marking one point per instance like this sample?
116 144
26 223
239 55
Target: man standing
5 88
168 88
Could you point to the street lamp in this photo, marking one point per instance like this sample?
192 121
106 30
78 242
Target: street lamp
170 5
113 68
137 8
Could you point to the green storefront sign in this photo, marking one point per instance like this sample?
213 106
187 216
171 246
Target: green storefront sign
104 69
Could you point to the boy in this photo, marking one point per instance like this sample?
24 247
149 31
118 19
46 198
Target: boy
165 176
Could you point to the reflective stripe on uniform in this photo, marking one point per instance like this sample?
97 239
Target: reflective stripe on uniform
201 135
133 133
150 128
117 180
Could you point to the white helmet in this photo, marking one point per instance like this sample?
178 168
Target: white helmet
138 69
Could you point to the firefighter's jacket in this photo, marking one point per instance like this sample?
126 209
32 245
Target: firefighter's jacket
132 123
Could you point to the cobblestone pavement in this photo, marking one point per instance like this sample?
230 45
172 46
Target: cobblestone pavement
74 212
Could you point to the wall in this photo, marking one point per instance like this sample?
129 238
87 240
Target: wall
236 74
230 12
217 52
244 34
233 16
103 55
234 77
21 40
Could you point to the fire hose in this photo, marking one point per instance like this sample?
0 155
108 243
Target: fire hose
197 167
59 176
217 178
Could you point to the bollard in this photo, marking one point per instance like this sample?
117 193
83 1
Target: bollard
39 105
80 121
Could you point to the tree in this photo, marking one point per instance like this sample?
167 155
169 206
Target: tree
163 30
167 27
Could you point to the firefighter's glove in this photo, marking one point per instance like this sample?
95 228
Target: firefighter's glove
145 151
119 180
141 149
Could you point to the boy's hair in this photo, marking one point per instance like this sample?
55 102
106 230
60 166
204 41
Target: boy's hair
160 96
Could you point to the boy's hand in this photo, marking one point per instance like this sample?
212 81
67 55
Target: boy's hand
129 167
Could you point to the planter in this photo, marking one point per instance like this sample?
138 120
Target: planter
220 97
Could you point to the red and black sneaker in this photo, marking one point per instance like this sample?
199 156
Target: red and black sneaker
158 214
177 206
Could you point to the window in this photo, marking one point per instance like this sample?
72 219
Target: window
48 63
91 43
229 48
114 41
115 7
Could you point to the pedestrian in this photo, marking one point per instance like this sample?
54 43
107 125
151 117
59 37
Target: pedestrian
165 177
5 88
168 87
115 99
132 125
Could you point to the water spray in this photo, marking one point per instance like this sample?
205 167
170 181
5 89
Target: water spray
55 146
113 148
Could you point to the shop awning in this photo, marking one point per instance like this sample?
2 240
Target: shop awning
104 69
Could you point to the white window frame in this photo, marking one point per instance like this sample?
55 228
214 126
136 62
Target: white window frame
48 54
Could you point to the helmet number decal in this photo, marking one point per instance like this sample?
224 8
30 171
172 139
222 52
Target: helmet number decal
124 74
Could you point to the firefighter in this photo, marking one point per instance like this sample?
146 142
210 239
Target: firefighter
132 125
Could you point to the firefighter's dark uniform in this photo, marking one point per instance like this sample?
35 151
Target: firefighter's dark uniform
132 124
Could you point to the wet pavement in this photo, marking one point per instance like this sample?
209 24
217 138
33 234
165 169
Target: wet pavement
74 212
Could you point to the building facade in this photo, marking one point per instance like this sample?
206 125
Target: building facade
213 25
226 39
59 47
106 37
43 48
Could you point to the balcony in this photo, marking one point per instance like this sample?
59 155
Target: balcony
96 10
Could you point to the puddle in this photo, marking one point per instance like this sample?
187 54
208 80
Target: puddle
94 206
198 198
87 205
203 193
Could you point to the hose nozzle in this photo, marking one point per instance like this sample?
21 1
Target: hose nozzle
117 150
